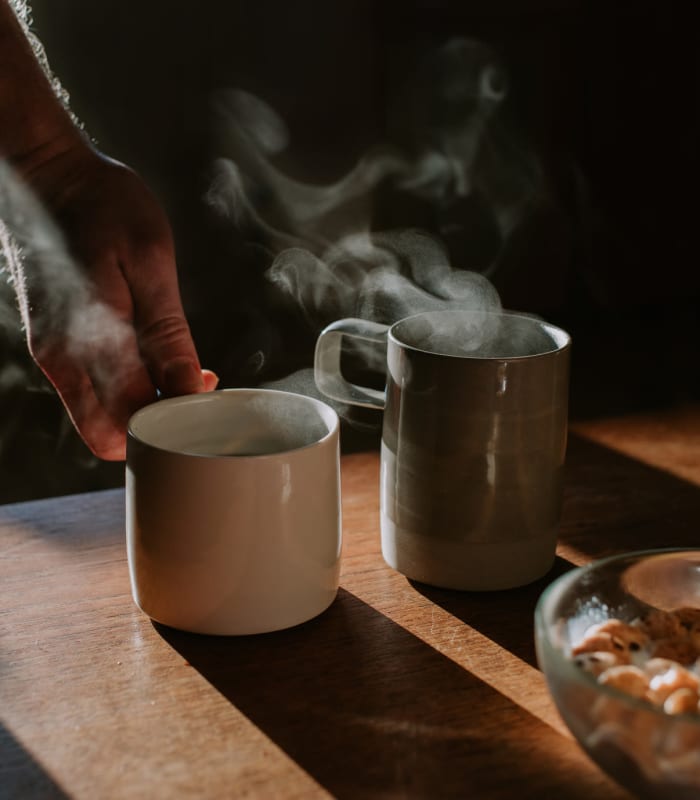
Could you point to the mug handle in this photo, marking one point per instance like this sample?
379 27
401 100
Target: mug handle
327 374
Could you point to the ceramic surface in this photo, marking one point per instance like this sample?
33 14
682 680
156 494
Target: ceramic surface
473 444
233 510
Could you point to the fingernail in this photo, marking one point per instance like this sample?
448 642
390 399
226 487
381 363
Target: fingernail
210 379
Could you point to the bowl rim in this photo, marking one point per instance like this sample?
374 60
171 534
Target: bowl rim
553 592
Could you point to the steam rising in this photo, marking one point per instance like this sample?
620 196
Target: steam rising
382 277
56 303
478 334
325 256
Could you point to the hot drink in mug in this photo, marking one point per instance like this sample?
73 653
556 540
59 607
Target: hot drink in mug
473 441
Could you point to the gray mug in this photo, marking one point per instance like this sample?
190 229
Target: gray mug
473 441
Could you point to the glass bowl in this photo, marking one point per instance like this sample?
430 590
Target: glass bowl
637 735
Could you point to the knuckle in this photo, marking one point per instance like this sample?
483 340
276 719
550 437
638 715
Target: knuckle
168 329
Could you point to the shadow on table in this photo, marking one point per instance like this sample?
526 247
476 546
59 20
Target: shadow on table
21 777
369 710
87 521
505 617
612 504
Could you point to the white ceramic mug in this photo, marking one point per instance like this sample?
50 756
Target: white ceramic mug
233 514
473 441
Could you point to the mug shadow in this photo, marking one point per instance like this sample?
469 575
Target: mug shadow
20 775
612 504
506 617
369 710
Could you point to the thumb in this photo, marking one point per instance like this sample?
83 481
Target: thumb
180 376
164 337
170 356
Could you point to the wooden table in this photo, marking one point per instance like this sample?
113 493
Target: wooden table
398 690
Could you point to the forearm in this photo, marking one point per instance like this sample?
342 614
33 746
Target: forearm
34 125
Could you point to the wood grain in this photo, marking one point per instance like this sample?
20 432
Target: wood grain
398 690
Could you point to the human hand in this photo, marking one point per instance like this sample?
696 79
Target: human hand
103 315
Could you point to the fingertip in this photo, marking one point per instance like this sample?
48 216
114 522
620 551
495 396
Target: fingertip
116 452
105 438
182 377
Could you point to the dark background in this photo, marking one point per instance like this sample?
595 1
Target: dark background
606 95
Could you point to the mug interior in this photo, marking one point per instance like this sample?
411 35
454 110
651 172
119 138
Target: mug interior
234 422
479 334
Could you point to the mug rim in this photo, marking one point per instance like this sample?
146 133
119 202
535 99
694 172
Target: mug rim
548 326
327 413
